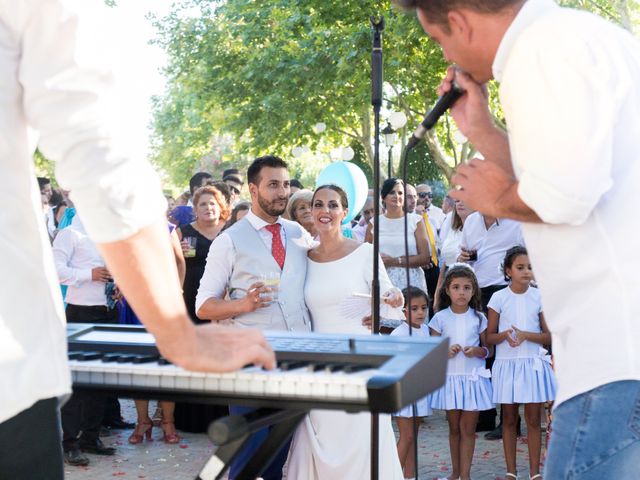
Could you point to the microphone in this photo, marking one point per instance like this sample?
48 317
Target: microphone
444 103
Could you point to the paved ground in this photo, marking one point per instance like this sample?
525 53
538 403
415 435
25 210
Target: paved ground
158 461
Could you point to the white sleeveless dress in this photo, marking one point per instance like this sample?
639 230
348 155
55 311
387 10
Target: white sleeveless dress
334 445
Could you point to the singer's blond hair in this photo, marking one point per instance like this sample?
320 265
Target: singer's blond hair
437 10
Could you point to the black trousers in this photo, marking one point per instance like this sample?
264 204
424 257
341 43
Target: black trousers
90 314
431 276
82 413
85 411
30 444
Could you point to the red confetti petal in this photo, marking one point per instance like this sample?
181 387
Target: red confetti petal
184 446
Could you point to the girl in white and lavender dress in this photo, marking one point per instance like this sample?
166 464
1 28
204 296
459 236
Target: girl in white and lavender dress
467 388
416 310
522 371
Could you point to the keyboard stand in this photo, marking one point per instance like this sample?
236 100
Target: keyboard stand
231 433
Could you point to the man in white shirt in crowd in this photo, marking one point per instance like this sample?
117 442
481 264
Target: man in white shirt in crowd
485 241
81 268
54 80
569 169
425 197
359 230
260 250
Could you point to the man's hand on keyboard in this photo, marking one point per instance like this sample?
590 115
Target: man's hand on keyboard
216 348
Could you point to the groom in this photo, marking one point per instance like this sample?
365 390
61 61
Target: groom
260 243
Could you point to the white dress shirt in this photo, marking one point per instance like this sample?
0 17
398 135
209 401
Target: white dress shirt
53 81
214 282
491 244
569 90
436 217
75 255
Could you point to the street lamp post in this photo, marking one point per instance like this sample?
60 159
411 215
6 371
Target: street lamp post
389 139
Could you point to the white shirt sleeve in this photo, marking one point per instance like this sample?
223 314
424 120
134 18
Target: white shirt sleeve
496 301
483 322
383 276
217 272
561 140
63 248
67 98
434 323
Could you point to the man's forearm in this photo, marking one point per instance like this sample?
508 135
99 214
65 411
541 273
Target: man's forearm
218 309
144 267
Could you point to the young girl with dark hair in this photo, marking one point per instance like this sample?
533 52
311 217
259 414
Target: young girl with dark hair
522 371
467 389
416 308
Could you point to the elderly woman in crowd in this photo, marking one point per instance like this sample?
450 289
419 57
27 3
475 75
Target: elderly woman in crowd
299 210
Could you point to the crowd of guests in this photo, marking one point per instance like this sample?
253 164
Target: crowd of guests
468 279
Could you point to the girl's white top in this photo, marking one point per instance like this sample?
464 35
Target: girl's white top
463 329
521 310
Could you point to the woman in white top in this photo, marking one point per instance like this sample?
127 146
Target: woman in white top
332 445
450 248
392 240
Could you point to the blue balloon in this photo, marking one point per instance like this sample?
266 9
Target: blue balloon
351 179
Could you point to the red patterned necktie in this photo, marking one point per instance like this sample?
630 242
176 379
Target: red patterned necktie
277 249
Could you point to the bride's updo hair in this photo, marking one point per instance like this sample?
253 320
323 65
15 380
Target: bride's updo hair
341 193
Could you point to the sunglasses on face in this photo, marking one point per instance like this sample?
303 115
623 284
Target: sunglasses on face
425 194
368 212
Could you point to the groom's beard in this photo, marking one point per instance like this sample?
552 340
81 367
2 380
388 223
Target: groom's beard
273 208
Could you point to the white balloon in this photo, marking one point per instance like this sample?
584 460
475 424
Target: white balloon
348 153
397 120
297 151
319 127
336 153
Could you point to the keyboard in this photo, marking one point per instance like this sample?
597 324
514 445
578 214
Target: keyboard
321 371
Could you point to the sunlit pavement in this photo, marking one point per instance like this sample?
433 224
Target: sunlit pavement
157 460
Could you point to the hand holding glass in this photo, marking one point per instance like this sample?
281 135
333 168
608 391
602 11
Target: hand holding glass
271 280
189 246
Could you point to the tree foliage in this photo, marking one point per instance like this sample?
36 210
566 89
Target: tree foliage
265 72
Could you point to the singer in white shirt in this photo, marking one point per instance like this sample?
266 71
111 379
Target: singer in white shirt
569 168
53 82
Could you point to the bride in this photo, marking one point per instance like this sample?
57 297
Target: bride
332 445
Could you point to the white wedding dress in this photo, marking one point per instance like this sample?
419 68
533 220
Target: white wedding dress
334 445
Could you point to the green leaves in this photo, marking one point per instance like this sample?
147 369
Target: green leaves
265 72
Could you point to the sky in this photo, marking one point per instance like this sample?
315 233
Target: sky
139 66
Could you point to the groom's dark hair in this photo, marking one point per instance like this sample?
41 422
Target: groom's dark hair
253 172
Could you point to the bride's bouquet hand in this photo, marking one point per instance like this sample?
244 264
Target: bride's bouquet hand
393 298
